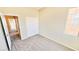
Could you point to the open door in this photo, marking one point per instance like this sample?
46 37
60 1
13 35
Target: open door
3 41
6 32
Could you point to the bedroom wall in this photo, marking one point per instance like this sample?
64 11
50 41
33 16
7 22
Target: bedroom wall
52 20
23 13
52 26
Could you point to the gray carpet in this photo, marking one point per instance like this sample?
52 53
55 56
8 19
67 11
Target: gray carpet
37 43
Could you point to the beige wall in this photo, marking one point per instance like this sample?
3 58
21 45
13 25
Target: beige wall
52 26
19 11
52 21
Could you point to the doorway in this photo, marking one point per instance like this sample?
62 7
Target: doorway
13 26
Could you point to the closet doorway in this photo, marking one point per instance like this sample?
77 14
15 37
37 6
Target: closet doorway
13 26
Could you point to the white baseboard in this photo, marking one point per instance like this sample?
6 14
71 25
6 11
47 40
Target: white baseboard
65 45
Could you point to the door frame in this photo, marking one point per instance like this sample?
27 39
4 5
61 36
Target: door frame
8 14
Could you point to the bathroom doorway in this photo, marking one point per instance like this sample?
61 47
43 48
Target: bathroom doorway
13 26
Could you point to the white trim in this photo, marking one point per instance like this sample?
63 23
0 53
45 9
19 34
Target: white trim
60 43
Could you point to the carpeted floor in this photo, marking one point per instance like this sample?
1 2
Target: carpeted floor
37 43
